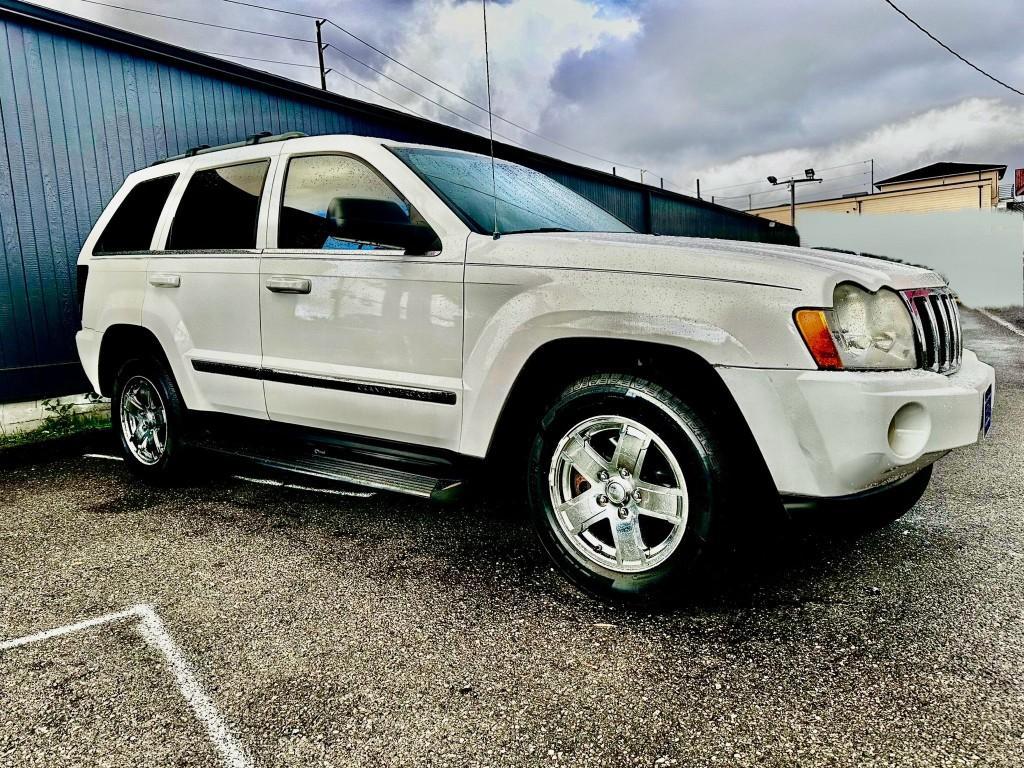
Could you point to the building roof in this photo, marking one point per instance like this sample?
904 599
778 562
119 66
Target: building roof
938 170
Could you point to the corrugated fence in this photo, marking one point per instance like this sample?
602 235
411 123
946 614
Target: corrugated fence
82 105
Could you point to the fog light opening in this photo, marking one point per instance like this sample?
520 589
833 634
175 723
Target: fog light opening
909 430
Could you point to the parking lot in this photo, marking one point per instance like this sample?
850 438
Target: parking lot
288 626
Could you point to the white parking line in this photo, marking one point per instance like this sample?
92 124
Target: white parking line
999 321
102 456
153 632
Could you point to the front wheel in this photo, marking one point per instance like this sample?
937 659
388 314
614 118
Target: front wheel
148 416
626 487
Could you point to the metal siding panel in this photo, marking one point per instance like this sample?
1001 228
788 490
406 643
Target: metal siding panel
150 113
108 114
122 121
97 121
81 157
52 249
61 215
135 113
29 198
169 118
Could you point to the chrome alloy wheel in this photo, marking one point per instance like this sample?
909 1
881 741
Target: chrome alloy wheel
143 420
618 494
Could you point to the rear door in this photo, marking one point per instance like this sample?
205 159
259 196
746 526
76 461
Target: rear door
362 332
202 293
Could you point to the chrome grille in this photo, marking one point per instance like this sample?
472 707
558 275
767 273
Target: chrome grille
937 333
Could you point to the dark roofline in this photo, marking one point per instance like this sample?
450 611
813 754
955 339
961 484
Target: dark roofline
76 26
909 175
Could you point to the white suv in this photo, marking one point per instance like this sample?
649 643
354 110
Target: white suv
366 310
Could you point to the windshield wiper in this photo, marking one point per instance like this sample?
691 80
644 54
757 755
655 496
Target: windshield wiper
539 229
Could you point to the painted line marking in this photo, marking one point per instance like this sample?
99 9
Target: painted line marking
296 487
999 321
102 456
155 634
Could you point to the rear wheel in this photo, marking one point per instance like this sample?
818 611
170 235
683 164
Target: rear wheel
626 485
148 416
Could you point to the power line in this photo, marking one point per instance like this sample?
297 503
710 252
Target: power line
417 93
435 83
379 72
993 78
794 173
201 23
276 10
254 58
775 190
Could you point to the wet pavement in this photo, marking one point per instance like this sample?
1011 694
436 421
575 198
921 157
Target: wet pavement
303 628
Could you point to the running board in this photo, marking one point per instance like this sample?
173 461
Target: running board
326 467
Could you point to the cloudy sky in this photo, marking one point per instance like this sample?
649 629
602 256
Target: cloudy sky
727 92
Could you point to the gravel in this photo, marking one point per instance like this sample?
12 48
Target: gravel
343 631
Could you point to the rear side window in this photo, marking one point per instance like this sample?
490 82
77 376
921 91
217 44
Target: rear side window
219 209
133 223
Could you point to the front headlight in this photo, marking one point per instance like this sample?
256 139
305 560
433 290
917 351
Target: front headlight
862 331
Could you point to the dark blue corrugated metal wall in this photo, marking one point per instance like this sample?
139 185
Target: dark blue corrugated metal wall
78 115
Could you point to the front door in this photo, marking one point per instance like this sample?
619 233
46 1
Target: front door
361 307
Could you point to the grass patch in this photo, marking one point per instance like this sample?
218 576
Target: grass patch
61 421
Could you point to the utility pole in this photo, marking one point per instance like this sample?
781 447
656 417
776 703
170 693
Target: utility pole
871 190
791 183
320 53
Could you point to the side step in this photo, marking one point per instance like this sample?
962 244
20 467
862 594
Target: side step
319 464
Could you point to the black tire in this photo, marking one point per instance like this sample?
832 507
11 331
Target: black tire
172 460
700 456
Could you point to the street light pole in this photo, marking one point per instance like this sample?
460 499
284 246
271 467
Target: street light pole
791 183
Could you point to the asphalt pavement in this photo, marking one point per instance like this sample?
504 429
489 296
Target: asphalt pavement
292 627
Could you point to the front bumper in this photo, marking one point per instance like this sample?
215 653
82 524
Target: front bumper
835 433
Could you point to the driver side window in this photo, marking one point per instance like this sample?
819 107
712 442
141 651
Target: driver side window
338 203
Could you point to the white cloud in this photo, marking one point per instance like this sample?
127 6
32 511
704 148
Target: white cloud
527 40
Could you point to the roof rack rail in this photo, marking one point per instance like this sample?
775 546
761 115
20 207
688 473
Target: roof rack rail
264 137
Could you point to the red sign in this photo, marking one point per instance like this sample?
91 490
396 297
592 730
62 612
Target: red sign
1018 182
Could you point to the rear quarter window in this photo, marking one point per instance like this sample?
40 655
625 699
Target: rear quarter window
133 223
219 209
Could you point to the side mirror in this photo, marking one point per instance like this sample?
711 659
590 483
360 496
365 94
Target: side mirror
380 221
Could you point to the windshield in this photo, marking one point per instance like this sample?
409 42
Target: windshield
528 201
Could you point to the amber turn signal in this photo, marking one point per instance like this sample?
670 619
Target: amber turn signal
813 327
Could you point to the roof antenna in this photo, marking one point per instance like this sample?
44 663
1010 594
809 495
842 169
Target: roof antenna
490 123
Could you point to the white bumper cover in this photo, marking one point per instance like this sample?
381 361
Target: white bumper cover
88 342
834 433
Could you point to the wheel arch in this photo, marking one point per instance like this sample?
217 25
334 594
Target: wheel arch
123 342
535 388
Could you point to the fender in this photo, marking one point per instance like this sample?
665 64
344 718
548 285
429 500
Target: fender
512 311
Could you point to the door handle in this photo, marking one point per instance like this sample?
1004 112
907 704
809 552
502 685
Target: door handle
163 280
289 284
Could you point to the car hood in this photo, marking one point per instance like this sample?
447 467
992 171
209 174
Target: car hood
805 269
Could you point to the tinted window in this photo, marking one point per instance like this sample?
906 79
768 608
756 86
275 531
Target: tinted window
133 223
219 208
527 200
336 202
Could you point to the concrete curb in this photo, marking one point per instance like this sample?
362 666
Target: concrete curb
19 418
